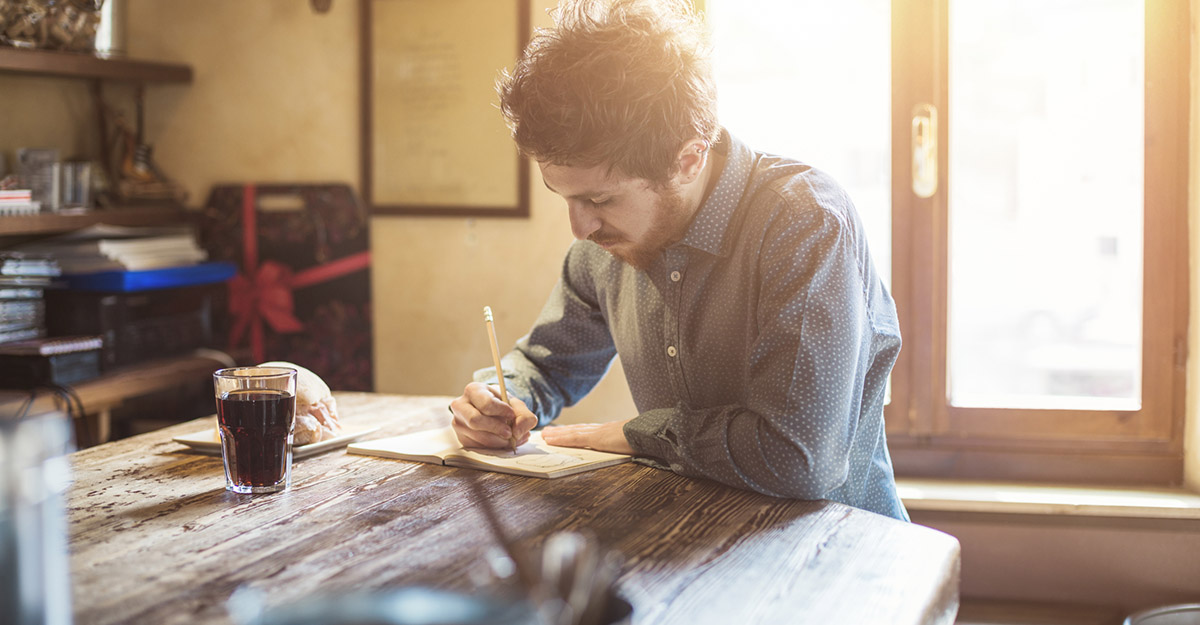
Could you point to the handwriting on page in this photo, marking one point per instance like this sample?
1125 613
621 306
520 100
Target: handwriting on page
532 457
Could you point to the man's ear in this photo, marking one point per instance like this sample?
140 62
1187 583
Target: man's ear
692 158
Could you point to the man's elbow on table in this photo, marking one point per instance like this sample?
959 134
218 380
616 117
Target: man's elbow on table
805 486
802 476
804 481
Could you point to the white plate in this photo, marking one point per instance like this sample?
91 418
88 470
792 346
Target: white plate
209 442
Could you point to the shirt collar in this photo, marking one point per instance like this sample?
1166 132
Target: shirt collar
707 230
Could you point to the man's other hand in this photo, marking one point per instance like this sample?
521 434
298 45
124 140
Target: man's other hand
481 419
598 436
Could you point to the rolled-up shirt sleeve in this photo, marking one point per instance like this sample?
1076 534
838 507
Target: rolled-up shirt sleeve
566 353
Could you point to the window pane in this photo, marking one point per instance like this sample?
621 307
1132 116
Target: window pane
810 79
1045 200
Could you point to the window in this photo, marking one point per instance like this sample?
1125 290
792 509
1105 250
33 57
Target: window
1021 168
775 99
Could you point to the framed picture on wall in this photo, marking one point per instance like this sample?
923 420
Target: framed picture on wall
433 140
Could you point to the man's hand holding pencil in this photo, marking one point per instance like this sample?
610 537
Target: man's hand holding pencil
483 419
484 414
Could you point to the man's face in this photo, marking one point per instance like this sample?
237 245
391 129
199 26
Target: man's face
628 217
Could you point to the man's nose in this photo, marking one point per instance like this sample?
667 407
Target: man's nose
583 221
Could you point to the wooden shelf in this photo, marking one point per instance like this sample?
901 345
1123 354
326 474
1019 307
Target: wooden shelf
83 65
51 223
99 396
153 375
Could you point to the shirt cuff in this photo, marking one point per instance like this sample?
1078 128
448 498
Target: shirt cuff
486 375
649 435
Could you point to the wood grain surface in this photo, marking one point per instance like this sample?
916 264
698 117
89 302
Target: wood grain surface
156 538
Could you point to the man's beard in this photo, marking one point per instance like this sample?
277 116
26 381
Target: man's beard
670 222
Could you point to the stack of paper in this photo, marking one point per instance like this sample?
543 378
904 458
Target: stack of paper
110 248
22 308
18 202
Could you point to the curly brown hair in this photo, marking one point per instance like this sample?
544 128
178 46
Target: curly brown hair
622 83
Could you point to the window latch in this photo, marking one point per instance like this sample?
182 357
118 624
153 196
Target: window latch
924 150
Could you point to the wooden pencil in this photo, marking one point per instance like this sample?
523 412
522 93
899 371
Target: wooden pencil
491 328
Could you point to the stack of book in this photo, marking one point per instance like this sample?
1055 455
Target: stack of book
120 259
18 202
60 360
23 278
109 248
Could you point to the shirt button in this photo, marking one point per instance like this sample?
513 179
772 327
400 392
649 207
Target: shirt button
671 351
675 276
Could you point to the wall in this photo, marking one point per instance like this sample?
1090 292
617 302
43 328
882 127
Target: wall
1124 564
65 108
434 276
273 94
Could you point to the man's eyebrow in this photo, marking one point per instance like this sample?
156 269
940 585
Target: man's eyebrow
579 196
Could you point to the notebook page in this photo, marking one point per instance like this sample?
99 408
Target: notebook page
537 456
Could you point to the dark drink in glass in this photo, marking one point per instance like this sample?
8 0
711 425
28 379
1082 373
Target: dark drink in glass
256 433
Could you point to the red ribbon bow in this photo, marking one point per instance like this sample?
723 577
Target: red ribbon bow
264 292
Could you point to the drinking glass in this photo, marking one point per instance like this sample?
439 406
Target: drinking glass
256 410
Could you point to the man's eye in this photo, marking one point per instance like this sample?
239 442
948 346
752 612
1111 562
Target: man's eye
599 203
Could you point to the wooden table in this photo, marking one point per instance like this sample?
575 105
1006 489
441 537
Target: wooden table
155 538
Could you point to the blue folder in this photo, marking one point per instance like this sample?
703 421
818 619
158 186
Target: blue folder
150 279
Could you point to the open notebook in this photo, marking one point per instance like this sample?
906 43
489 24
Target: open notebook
535 458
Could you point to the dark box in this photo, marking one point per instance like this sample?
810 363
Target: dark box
318 235
137 326
28 371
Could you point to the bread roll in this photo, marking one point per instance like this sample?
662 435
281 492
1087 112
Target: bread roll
316 409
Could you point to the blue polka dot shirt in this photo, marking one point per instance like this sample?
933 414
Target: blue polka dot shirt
757 349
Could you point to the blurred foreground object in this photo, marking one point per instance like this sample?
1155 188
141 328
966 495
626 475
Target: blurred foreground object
571 582
34 474
404 606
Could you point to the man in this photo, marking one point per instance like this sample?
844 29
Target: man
736 286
